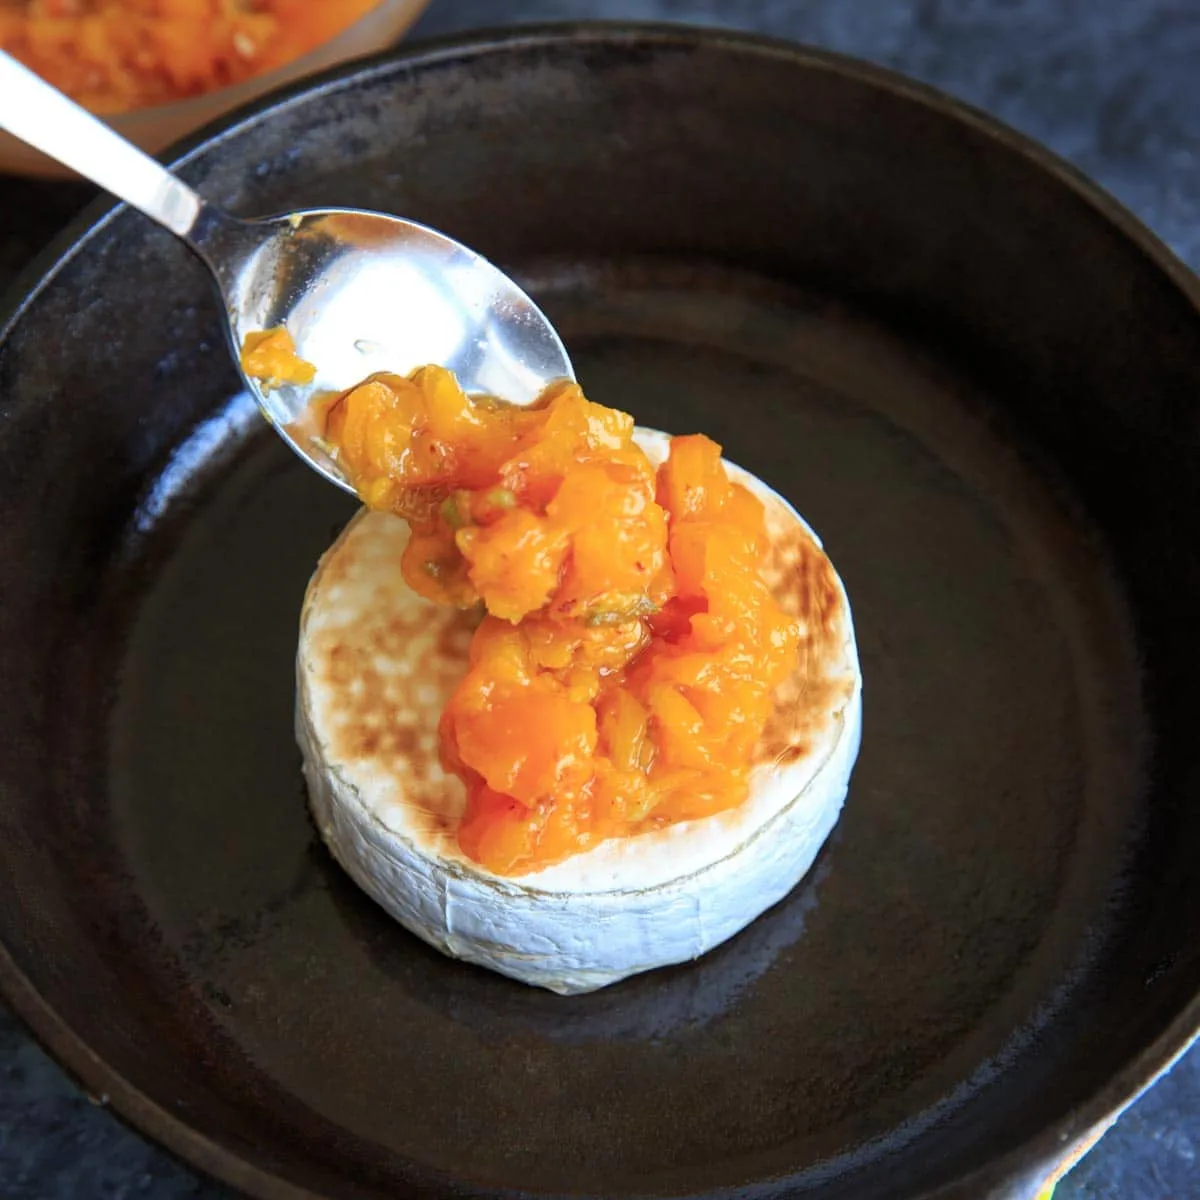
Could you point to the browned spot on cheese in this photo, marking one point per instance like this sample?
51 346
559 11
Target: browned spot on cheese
806 586
454 639
384 663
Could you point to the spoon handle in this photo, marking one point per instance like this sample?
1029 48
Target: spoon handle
39 114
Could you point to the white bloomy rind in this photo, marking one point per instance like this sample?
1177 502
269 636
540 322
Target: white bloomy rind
626 906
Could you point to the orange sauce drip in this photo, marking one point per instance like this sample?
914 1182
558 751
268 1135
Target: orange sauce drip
270 357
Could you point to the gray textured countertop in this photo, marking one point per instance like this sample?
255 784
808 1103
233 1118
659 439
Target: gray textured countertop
1113 85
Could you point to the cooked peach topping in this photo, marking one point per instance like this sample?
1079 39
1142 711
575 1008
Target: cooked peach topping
270 357
624 668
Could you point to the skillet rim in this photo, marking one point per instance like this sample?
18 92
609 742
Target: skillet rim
1019 1173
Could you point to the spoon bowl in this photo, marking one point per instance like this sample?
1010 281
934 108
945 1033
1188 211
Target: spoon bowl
359 292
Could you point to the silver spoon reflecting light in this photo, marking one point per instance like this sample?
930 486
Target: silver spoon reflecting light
358 291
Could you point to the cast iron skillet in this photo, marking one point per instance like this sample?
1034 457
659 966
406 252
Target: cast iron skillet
972 372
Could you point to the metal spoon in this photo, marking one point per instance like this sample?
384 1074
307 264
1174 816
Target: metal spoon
358 291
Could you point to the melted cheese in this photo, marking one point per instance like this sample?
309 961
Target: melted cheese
375 667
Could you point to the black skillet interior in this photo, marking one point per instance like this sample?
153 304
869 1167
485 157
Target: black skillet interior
978 386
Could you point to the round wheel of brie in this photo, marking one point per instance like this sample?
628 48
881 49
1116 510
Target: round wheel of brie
375 668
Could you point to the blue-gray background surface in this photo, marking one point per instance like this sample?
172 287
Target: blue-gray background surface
1113 85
